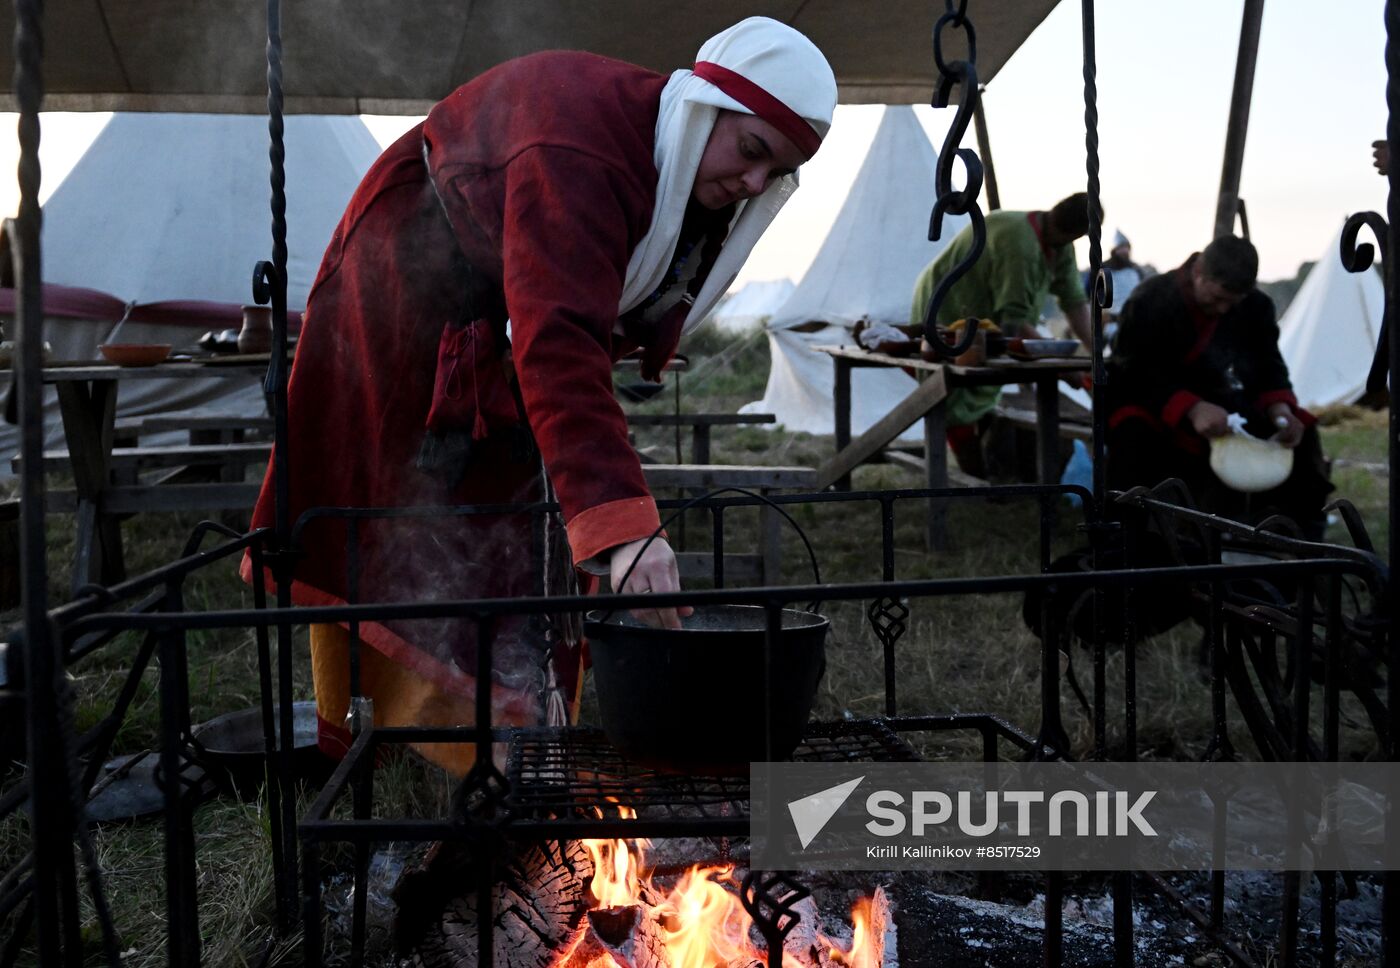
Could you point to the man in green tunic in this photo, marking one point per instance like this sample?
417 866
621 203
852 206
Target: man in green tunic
1028 256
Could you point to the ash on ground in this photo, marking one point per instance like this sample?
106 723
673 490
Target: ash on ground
953 921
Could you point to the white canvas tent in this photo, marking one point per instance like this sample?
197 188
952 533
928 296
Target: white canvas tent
1328 334
752 304
867 267
176 206
169 207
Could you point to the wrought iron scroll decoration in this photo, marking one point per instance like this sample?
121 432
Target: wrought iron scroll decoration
1359 258
771 901
960 76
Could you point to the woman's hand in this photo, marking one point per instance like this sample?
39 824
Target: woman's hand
655 572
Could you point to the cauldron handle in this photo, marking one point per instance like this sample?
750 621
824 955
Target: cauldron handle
811 555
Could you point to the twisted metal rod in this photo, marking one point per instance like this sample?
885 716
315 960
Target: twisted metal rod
270 284
1101 297
958 76
51 814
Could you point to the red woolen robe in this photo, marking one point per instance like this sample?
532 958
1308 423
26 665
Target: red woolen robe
541 171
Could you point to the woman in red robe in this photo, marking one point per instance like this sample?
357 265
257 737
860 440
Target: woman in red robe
551 215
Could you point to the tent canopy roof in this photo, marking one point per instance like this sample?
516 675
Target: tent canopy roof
388 57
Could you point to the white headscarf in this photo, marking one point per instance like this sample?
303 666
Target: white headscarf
787 66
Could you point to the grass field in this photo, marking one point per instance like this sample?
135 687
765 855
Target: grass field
959 655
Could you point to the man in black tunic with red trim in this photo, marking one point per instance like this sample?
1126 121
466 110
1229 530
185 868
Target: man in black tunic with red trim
1193 346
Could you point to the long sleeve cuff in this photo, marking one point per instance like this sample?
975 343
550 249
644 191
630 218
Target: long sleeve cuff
1177 406
607 525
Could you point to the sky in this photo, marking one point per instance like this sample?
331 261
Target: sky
1165 71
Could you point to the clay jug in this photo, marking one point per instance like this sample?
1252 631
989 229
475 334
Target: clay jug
256 334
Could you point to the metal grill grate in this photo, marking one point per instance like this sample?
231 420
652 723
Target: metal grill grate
577 772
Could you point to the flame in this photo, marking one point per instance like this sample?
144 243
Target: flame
863 952
615 882
701 921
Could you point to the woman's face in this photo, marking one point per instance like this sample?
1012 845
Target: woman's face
741 159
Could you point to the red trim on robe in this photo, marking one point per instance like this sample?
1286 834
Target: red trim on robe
596 529
763 104
1133 412
1177 406
1191 443
1045 250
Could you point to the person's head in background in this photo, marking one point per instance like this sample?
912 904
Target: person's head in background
1224 274
1121 255
1068 220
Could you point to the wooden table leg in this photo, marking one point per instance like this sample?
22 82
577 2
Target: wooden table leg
842 401
936 474
1047 422
700 444
89 416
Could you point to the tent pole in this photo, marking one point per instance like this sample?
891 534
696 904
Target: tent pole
1227 204
984 148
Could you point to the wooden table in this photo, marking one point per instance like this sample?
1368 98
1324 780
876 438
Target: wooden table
87 398
928 402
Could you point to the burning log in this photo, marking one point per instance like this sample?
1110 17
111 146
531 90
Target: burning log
539 903
585 905
630 936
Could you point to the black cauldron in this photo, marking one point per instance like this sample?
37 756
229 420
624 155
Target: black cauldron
692 699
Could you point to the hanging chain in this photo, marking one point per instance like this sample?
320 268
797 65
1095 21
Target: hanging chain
957 76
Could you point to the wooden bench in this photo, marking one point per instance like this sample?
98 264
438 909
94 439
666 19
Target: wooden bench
200 477
203 428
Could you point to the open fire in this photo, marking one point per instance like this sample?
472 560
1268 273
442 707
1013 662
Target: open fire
632 922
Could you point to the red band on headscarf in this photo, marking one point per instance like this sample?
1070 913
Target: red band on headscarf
763 104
